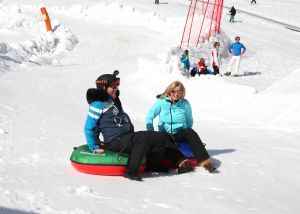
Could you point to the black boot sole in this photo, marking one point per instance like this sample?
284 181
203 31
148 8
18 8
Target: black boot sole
133 177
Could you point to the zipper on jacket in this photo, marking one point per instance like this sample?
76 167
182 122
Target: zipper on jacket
171 119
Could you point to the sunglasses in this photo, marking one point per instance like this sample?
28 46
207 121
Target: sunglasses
115 84
176 92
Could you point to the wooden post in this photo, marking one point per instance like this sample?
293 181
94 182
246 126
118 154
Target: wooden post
46 19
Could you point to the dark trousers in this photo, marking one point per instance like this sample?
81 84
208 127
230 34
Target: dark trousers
139 144
203 71
171 153
216 70
191 137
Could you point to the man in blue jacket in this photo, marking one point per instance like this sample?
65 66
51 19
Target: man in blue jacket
236 49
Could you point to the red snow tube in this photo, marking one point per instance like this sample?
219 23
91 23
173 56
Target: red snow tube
106 163
113 163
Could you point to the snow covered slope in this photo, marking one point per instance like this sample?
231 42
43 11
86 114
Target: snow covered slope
250 123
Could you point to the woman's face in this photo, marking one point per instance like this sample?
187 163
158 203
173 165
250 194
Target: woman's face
112 91
176 94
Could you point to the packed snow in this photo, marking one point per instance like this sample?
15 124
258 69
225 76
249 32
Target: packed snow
250 123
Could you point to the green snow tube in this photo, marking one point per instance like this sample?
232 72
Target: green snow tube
106 163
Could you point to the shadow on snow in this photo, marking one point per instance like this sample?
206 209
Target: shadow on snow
4 210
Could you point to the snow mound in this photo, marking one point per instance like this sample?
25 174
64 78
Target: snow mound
34 46
276 107
171 58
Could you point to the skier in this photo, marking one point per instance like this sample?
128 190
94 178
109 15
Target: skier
253 1
106 116
232 13
237 49
156 2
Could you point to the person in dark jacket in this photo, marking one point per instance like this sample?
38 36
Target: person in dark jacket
106 116
253 1
232 13
175 118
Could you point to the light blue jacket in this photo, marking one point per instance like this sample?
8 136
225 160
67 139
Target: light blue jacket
236 48
185 61
172 116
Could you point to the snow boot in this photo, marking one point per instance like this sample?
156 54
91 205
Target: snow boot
184 167
209 167
132 176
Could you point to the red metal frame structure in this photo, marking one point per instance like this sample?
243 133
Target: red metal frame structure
203 21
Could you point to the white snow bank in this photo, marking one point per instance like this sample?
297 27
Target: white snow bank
34 45
277 106
171 58
212 97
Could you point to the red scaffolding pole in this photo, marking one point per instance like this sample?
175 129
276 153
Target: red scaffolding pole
201 22
185 24
204 15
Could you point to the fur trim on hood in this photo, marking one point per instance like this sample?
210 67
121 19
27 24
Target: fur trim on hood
94 94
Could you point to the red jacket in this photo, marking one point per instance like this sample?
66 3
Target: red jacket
201 65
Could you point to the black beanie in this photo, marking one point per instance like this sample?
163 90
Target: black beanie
107 79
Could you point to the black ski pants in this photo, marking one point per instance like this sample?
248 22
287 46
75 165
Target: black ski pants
216 70
139 144
191 137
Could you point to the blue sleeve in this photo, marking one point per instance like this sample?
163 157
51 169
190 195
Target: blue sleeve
182 59
244 48
189 115
152 113
230 48
94 114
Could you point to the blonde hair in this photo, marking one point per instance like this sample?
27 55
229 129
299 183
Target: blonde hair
171 87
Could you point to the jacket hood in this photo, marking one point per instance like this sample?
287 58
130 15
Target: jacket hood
94 94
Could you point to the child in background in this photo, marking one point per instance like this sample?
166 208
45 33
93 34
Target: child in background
186 62
202 68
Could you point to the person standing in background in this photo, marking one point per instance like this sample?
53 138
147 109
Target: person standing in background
237 49
215 58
